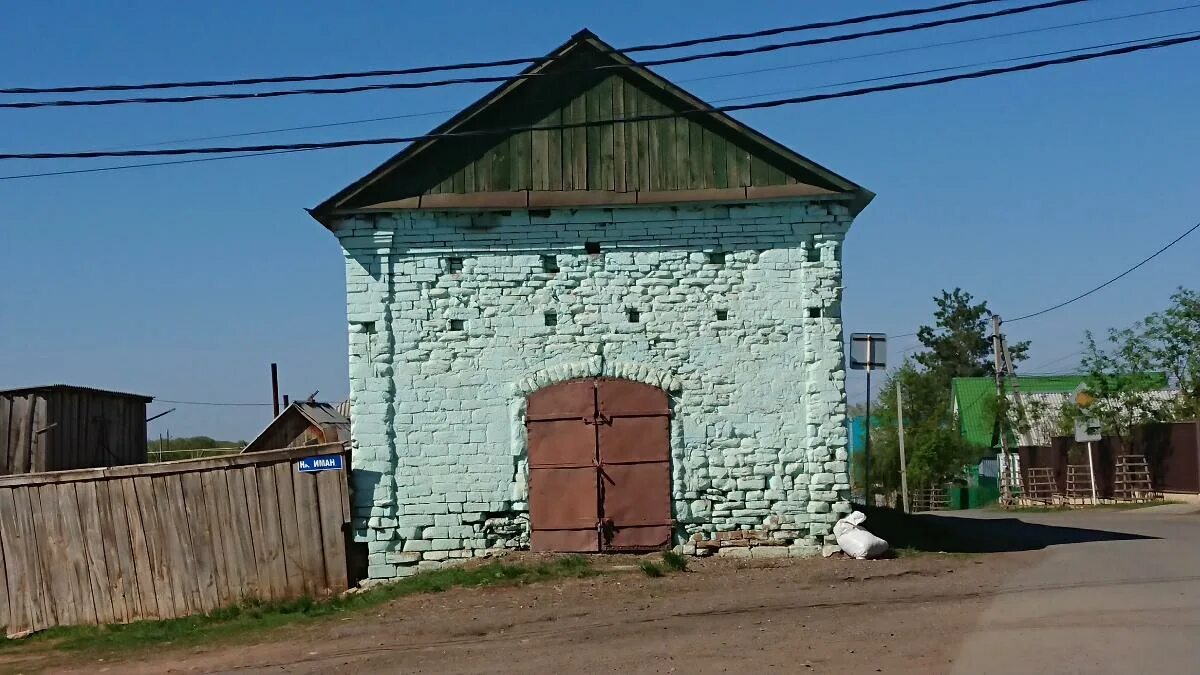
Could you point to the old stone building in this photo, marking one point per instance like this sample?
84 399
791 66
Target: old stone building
594 335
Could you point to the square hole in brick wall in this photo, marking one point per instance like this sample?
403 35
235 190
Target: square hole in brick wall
814 312
722 314
716 257
633 315
551 318
458 324
550 264
814 253
454 264
592 247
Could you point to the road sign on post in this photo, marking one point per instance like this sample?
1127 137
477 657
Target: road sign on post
320 463
868 351
1087 429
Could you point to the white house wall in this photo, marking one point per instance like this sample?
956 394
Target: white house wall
758 396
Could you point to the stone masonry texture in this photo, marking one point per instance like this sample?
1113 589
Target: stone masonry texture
738 319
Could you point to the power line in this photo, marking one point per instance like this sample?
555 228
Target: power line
729 53
948 43
101 169
1120 276
850 93
960 66
493 64
806 64
1046 364
163 400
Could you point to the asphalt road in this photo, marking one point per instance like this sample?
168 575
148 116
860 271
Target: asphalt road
1117 592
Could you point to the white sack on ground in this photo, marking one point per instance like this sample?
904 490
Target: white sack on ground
856 541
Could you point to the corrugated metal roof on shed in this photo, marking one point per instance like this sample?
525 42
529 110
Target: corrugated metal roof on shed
72 387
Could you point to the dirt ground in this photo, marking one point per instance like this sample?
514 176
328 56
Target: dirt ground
905 615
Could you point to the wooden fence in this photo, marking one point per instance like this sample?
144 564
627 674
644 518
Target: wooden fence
167 540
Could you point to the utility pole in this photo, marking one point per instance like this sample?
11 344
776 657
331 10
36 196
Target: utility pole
903 462
1006 483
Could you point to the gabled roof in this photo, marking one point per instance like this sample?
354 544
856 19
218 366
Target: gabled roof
576 155
332 423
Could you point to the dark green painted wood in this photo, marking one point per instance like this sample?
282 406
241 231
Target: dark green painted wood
554 142
695 156
620 156
607 137
681 153
720 163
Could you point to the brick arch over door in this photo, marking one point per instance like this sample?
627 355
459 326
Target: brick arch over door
599 466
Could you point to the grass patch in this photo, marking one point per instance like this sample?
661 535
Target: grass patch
255 617
650 568
674 561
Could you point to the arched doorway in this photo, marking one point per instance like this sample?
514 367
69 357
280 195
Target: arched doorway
599 466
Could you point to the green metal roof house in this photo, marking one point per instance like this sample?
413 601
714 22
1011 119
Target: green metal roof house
971 397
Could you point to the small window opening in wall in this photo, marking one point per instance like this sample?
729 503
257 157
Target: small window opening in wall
814 312
814 253
633 315
549 264
458 324
592 247
454 264
722 314
716 257
551 318
368 327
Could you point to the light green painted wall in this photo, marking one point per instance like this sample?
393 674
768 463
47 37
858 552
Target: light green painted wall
758 432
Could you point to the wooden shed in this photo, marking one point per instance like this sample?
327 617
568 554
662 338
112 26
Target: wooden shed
303 423
58 427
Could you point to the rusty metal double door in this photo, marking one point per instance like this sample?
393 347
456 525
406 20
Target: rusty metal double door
599 467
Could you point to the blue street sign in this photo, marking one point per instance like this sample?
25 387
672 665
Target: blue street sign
320 463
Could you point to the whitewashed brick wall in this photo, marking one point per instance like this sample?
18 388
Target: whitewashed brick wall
758 397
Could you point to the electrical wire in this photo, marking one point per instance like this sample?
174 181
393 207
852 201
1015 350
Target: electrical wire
101 169
1120 276
729 53
948 43
794 66
850 93
164 400
943 69
193 84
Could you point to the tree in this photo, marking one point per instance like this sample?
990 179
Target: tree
935 450
956 345
1128 372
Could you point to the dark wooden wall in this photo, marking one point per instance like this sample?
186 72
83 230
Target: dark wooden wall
1172 451
59 429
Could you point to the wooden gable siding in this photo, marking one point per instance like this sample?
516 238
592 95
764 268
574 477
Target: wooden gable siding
691 154
669 154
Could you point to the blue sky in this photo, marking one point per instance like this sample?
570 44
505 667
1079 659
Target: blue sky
185 282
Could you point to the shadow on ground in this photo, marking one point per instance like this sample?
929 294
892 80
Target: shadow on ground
931 532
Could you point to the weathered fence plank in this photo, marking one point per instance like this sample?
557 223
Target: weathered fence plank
291 532
169 539
330 495
93 545
200 539
270 537
140 550
308 522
